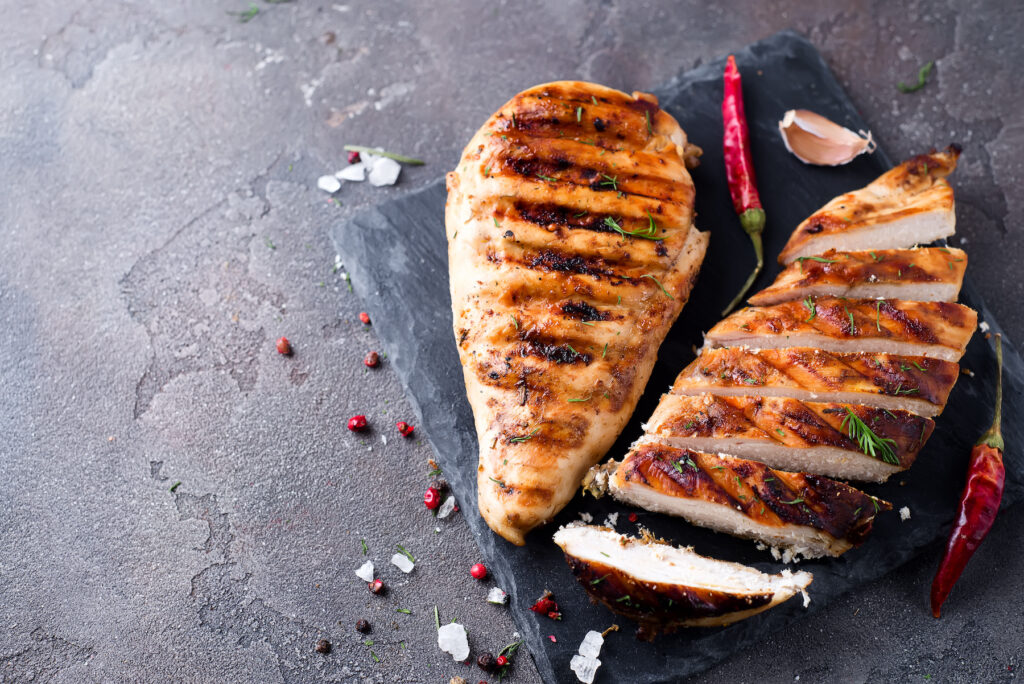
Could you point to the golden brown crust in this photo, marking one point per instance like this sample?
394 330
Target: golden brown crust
914 187
769 498
787 422
558 311
815 371
837 273
936 324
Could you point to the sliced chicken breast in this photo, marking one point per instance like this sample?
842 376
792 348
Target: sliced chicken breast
911 204
663 587
912 383
938 330
806 514
571 252
926 274
848 441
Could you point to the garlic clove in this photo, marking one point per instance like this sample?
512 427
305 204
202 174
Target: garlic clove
813 139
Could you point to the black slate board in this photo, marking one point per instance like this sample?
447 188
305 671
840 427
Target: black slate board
406 291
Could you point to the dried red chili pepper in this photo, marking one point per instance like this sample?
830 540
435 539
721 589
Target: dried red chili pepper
739 170
979 502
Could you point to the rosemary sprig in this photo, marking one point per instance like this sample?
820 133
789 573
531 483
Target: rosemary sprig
612 181
579 114
647 233
869 443
667 294
382 153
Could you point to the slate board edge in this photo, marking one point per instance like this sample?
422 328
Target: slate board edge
529 626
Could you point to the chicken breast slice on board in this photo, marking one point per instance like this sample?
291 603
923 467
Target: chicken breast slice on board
807 514
913 383
926 274
571 252
910 204
938 330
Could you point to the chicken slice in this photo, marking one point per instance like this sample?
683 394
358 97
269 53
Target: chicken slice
913 383
908 205
807 514
815 437
935 329
926 274
571 252
663 587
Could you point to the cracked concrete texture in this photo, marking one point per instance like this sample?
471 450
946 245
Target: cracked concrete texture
161 228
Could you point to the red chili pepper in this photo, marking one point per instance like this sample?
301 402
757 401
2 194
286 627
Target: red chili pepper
357 423
432 498
404 428
284 347
979 502
739 170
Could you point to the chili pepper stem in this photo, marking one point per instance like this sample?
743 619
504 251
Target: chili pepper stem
994 436
752 221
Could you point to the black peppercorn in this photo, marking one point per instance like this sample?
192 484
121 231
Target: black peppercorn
485 661
362 626
323 646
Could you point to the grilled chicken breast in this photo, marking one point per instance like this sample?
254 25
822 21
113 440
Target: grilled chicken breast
794 435
908 205
571 252
913 383
926 274
807 514
663 587
935 329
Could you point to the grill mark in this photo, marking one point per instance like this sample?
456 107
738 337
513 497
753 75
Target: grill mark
556 353
547 214
550 260
538 169
582 311
910 325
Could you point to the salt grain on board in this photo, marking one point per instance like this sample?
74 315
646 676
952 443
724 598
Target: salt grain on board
447 506
585 668
497 596
353 172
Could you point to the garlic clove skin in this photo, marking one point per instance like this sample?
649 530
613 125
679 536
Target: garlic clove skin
813 139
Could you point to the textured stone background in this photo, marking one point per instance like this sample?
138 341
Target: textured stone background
160 228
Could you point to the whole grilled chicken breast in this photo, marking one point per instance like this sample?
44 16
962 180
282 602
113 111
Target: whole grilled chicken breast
571 252
908 205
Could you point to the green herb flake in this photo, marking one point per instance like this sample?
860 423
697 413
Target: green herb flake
605 351
248 15
403 610
496 224
666 292
809 303
647 116
922 78
647 233
781 432
579 114
878 315
623 598
599 580
918 366
402 550
174 487
437 618
593 99
875 256
515 321
582 399
363 542
612 181
547 178
523 438
497 482
794 501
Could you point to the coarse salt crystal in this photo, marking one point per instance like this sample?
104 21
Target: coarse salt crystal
585 668
983 326
447 506
452 638
328 184
591 646
497 596
905 513
385 172
612 520
586 517
365 571
353 172
403 563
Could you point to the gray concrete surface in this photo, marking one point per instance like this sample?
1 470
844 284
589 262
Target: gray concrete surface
160 228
